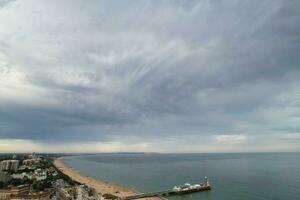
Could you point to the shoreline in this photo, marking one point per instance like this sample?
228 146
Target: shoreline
100 186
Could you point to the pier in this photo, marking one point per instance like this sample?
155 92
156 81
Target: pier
163 194
177 190
146 195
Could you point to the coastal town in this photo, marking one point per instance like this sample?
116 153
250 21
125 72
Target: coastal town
46 177
35 177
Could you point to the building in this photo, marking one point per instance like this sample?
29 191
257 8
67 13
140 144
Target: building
60 183
23 175
38 174
33 155
68 193
32 196
82 193
20 190
4 177
31 161
9 165
5 194
22 193
8 193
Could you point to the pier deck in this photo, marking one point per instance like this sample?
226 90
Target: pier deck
162 194
150 194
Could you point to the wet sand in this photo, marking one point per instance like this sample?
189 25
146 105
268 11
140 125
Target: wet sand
100 186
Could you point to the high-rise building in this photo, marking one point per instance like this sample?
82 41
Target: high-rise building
33 155
7 165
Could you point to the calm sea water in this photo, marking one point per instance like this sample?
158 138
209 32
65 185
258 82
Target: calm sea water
274 176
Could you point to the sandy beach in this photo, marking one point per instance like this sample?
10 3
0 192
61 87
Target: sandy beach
100 186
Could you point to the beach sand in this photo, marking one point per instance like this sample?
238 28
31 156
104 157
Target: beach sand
100 186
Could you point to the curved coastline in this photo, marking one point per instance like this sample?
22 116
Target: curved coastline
98 185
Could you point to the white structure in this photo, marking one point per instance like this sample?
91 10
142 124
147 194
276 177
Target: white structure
38 175
206 182
9 165
82 194
98 196
33 156
187 187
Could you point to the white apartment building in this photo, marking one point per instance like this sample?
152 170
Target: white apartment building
9 165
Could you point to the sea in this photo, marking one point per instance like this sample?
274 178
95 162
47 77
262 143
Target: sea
233 176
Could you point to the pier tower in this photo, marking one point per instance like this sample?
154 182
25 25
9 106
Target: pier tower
206 182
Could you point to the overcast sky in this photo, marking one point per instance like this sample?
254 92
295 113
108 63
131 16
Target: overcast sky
157 76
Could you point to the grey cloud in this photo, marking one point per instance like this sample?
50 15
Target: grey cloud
4 3
105 69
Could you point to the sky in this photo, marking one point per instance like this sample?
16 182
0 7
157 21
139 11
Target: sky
149 76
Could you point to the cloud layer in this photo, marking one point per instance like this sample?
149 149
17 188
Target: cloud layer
205 76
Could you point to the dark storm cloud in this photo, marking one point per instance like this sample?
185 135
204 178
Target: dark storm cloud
104 69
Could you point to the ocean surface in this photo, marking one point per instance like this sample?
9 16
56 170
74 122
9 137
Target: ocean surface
238 176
